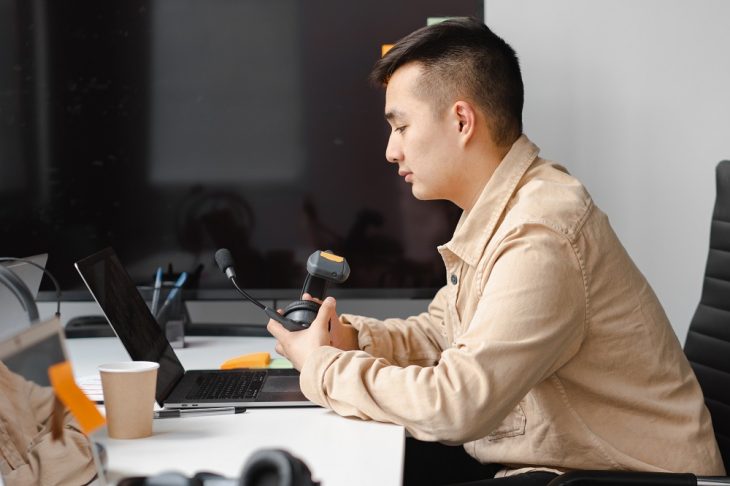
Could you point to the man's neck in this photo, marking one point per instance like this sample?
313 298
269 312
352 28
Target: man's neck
480 167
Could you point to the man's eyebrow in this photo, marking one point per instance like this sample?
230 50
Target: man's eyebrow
393 114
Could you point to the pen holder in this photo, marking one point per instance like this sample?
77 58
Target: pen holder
174 319
173 315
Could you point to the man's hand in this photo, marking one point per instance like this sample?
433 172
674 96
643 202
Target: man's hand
342 336
298 345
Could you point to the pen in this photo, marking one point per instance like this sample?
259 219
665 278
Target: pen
175 289
197 412
156 291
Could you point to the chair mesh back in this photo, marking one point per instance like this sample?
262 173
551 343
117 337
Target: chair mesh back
708 341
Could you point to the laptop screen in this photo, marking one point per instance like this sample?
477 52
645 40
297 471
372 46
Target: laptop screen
31 352
129 316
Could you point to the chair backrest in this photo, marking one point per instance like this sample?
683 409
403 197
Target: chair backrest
708 340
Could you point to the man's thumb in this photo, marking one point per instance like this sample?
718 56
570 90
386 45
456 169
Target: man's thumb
329 304
328 307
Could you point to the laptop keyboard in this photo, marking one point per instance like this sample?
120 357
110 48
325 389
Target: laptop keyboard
243 385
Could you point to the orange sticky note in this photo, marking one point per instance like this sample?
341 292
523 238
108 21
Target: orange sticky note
385 48
251 360
64 385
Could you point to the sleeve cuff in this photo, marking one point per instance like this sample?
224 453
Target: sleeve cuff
364 335
311 378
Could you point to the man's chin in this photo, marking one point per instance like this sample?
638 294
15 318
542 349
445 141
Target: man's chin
420 194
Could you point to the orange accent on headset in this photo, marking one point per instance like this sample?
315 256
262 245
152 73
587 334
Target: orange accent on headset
385 48
331 257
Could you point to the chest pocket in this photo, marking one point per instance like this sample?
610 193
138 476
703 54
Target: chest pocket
512 425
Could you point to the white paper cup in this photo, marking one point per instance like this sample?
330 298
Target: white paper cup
129 397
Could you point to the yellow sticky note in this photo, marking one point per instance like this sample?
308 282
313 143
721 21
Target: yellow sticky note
385 48
73 398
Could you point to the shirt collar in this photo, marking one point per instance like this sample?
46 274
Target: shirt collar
476 226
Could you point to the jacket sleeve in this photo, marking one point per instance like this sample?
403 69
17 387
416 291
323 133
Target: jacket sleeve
416 340
529 321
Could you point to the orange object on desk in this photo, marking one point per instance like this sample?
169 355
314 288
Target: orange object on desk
65 388
251 360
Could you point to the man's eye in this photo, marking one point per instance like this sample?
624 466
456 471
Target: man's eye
400 129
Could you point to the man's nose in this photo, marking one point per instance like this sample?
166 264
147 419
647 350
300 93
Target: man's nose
393 152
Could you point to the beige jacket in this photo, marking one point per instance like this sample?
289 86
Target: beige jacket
28 456
546 347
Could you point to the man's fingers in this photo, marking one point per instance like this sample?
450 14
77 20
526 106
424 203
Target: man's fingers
330 305
279 332
307 296
325 313
276 329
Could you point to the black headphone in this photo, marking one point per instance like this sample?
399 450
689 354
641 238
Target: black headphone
22 292
275 467
301 311
265 467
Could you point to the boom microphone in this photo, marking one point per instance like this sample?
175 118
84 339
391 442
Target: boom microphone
224 260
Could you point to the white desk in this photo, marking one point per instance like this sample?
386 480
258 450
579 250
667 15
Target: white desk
338 451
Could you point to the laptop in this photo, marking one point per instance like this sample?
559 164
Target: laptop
13 317
132 321
30 352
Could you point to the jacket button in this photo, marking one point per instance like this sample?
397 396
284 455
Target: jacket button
454 280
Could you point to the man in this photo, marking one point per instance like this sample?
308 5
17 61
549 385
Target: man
546 350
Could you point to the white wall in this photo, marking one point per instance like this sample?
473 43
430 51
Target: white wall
633 96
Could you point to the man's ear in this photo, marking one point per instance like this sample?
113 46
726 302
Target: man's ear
465 118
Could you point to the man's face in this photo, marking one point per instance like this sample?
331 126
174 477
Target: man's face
422 143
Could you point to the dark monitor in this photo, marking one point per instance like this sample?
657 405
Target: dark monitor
171 128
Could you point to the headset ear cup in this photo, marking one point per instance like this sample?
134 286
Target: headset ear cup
302 311
275 467
21 292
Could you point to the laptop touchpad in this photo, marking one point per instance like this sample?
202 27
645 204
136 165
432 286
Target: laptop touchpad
276 384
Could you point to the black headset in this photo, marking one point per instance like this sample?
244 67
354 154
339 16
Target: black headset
20 290
275 467
265 467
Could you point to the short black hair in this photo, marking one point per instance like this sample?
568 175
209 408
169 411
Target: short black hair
462 57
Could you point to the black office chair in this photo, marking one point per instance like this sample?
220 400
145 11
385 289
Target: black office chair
708 350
